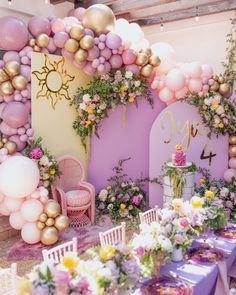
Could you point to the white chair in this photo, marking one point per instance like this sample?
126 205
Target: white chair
113 236
149 215
8 280
56 254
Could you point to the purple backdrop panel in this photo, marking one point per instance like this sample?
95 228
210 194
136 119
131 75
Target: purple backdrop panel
181 123
118 142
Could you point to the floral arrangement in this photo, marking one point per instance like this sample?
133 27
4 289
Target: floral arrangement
123 198
47 163
119 87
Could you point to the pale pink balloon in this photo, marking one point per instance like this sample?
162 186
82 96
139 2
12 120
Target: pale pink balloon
43 200
88 69
195 69
11 55
113 41
195 85
232 163
106 52
16 220
20 145
8 98
79 13
204 80
181 93
175 80
60 39
154 84
15 114
1 197
3 151
58 25
3 209
25 71
30 233
133 68
161 85
128 56
43 192
38 25
35 194
166 95
207 70
116 61
13 204
229 174
67 54
7 130
2 106
107 66
93 53
31 210
51 46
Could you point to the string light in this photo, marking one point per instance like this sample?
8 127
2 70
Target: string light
197 16
162 25
9 2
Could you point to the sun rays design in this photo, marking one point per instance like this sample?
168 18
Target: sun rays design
53 80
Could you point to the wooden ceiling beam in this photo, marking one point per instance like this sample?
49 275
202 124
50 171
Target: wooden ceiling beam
54 2
88 3
213 8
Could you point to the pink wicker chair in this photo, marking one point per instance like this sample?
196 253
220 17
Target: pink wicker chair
76 197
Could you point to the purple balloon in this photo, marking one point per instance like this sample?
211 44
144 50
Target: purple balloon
133 68
15 114
113 41
89 32
13 34
51 46
25 60
7 130
39 25
229 174
232 163
67 54
93 53
88 69
20 145
116 61
25 71
60 39
106 52
58 25
11 55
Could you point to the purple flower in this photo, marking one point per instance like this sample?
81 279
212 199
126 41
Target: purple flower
131 268
82 286
61 277
101 206
126 198
36 153
114 269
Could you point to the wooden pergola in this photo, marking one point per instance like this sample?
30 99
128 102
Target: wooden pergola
150 12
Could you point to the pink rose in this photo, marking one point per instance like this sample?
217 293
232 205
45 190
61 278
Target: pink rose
179 239
184 222
36 153
140 251
136 200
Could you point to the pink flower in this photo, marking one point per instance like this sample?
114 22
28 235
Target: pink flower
136 200
61 277
36 153
184 222
118 76
140 251
179 239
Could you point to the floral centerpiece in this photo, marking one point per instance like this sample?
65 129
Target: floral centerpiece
119 87
123 198
46 162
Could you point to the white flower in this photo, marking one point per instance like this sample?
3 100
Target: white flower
216 120
123 184
110 207
112 199
165 243
45 176
224 191
82 106
46 183
207 101
220 110
86 98
44 161
103 195
128 74
102 106
137 83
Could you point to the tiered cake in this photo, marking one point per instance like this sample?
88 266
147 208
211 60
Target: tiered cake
179 156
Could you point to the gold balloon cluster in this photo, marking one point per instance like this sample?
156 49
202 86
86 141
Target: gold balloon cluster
220 85
9 145
147 61
79 43
51 222
42 41
10 78
232 146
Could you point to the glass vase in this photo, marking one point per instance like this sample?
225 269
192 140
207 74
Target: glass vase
177 254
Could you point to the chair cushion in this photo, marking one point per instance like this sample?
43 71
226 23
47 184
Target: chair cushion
77 198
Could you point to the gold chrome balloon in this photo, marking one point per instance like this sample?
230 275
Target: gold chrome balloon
52 209
81 55
221 79
154 60
146 71
232 139
40 225
43 217
147 51
37 48
32 42
77 32
3 76
232 151
50 221
86 42
4 140
142 59
6 88
11 147
99 18
224 89
62 222
19 82
71 45
49 235
42 40
12 68
215 86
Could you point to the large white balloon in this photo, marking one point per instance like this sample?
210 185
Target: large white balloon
167 55
19 177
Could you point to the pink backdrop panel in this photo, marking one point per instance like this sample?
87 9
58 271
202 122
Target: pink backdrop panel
118 142
181 123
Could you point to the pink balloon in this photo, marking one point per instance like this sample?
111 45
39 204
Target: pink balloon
128 56
79 65
207 71
106 52
3 210
13 204
31 210
229 174
107 68
175 80
25 71
60 39
24 138
195 85
116 61
166 95
20 145
13 33
67 54
11 55
93 53
58 25
88 69
51 46
38 25
2 106
232 163
15 114
113 41
25 60
8 98
16 220
181 93
133 68
79 13
195 69
30 233
7 130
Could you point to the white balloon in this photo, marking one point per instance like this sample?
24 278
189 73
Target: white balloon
167 55
19 177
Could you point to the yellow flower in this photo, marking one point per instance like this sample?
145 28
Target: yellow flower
89 110
201 180
179 146
215 105
24 287
122 89
221 125
107 252
109 187
209 194
196 202
70 261
177 204
122 206
88 122
131 99
52 171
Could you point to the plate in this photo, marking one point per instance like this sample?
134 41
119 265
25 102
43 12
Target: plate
228 232
205 254
170 164
166 286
